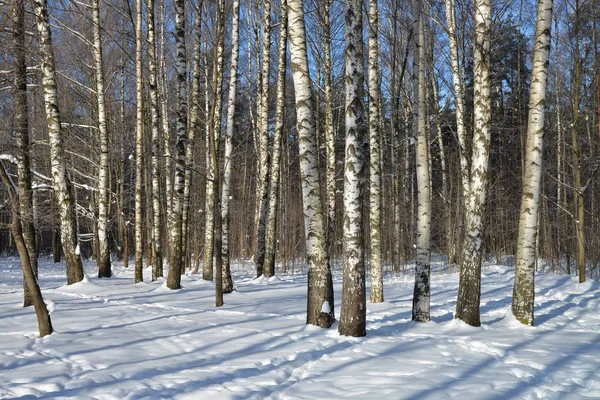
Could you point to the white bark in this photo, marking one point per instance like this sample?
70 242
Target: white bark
376 293
60 180
175 251
165 119
523 294
457 80
320 286
469 290
263 156
157 258
192 131
227 158
421 294
353 313
329 132
139 139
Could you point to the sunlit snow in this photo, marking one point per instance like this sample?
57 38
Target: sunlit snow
118 340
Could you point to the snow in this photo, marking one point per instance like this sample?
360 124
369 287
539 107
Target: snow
115 339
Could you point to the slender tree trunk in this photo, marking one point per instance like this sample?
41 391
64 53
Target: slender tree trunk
375 158
523 294
209 224
445 176
60 179
329 133
458 82
227 158
175 252
157 257
354 308
271 229
41 311
103 260
192 132
320 309
578 188
25 193
422 293
164 100
139 141
264 159
469 289
123 219
214 135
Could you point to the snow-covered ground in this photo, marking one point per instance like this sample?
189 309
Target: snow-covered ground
117 340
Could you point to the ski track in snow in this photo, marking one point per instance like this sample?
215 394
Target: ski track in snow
119 340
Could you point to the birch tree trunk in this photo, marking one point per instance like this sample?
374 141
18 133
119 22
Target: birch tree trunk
103 260
320 309
165 122
458 81
214 136
329 132
354 308
25 194
421 294
175 251
271 229
192 132
375 157
227 158
60 179
139 141
157 257
209 223
263 179
523 293
41 311
469 289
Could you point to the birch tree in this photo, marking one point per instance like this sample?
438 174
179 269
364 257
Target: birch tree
157 257
421 294
139 140
25 194
103 261
175 252
213 225
523 293
263 160
329 130
353 314
271 229
469 289
60 179
227 158
193 130
320 309
375 157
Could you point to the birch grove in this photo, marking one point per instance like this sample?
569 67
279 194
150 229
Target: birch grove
240 137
